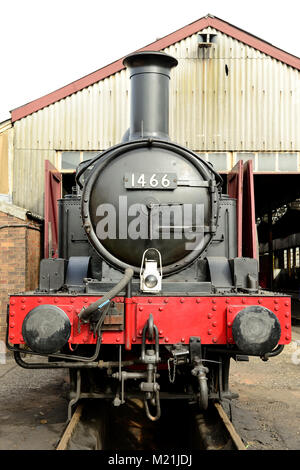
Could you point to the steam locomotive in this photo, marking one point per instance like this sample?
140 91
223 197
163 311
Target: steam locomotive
148 297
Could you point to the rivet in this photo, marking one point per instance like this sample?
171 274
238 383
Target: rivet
39 300
275 301
141 309
11 336
160 309
12 302
55 300
286 304
182 340
85 301
166 340
71 300
149 301
181 300
214 301
140 332
12 313
287 337
259 301
85 339
230 340
133 340
166 301
287 315
198 301
229 323
214 340
276 308
243 301
160 332
23 300
21 338
77 310
227 301
117 339
209 332
23 307
230 309
209 315
287 326
12 324
214 324
214 308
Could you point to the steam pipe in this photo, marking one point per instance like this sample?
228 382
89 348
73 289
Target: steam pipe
87 312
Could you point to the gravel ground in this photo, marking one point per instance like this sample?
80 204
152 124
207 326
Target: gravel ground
33 410
267 412
33 404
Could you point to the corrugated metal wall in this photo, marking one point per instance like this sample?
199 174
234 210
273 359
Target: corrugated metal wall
28 178
4 186
229 98
6 159
254 106
94 118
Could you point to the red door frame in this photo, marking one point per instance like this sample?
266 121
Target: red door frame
249 226
240 186
235 190
53 184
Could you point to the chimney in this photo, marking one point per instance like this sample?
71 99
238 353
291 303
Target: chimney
149 74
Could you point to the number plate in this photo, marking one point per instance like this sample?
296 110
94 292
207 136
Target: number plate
150 180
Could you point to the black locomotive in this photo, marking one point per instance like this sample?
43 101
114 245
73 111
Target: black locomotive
147 296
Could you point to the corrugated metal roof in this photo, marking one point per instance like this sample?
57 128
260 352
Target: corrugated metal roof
232 97
227 99
167 41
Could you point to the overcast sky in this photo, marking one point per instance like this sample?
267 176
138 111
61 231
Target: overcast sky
46 44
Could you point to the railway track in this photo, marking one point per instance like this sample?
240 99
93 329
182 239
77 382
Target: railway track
101 427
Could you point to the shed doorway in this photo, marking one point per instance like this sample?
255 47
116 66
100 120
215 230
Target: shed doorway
277 207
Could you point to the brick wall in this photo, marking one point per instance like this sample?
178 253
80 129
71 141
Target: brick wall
19 260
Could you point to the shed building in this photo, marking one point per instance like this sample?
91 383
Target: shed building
238 95
233 96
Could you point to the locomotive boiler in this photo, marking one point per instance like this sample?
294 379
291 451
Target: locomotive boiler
147 297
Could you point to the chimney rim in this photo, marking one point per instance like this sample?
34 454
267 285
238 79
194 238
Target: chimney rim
143 58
